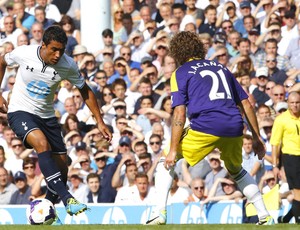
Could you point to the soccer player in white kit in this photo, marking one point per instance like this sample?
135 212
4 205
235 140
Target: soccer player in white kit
31 114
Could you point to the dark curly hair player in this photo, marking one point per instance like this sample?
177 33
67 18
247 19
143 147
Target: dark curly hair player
209 95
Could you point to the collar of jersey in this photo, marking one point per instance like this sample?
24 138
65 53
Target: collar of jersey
39 56
193 58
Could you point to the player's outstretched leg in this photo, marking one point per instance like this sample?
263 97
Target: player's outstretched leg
250 189
55 182
163 182
74 207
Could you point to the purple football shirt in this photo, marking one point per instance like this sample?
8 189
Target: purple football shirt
211 94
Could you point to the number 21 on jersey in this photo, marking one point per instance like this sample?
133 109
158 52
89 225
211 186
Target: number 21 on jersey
217 79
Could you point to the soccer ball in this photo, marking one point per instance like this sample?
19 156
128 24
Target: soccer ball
41 211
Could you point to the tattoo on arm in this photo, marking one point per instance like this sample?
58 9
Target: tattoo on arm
178 123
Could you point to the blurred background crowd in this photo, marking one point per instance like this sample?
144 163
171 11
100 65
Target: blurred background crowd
130 76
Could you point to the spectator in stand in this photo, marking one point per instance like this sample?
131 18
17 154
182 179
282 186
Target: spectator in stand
65 91
233 38
36 33
149 30
265 126
125 52
107 108
288 84
269 86
275 74
249 24
245 10
101 80
283 63
146 193
254 48
94 193
23 194
127 24
145 88
221 55
77 188
51 10
243 51
206 40
228 12
259 93
14 162
177 194
88 66
292 51
71 124
155 146
145 14
229 188
5 141
267 182
128 186
70 108
10 32
78 53
10 84
106 172
68 26
23 19
6 188
108 67
165 11
130 8
40 16
22 39
263 111
122 69
278 95
29 6
107 39
119 32
144 164
138 46
289 31
125 173
29 168
210 13
251 163
140 148
217 171
197 187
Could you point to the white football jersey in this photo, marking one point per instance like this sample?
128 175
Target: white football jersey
36 81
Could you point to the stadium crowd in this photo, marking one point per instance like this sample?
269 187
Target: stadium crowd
130 76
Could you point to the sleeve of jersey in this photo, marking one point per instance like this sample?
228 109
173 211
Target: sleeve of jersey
13 56
277 132
178 89
75 77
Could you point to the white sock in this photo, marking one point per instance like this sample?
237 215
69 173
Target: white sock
250 189
163 182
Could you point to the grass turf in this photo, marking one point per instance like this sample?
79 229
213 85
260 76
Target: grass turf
164 227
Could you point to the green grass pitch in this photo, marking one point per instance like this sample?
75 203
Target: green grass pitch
163 227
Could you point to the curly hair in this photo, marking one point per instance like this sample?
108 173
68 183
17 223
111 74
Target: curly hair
186 45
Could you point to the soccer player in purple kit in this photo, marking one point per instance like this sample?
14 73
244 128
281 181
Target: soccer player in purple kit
209 95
